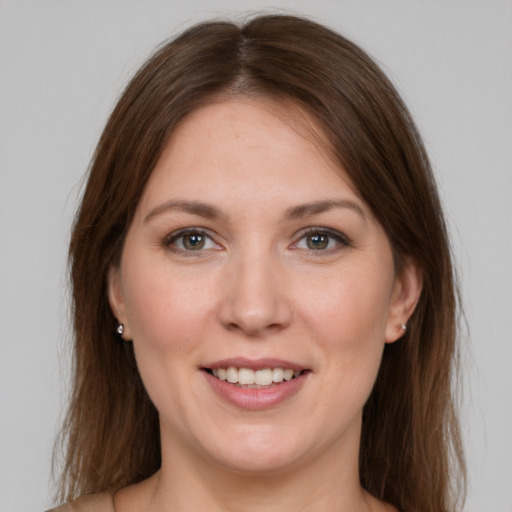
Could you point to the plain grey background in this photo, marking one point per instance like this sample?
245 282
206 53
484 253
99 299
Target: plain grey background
63 64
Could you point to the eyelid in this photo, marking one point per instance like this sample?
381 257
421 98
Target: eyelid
175 235
342 239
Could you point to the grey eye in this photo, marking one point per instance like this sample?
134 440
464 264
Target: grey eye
320 241
193 241
317 241
190 240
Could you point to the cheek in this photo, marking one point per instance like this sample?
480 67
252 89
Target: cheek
166 313
352 306
347 316
166 316
164 310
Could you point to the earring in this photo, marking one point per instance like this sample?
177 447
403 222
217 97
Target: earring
120 329
403 327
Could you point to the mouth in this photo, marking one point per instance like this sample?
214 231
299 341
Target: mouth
256 384
249 378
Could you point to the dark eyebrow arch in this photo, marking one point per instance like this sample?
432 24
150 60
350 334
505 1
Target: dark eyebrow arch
316 207
194 207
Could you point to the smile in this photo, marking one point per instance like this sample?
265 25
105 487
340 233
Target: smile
256 384
254 379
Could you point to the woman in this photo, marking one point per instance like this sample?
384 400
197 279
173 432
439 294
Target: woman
264 301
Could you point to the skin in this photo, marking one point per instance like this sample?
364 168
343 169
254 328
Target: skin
256 289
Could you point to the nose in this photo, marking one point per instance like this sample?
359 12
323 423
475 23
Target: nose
254 299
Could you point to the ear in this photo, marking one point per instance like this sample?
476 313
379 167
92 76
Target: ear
405 296
116 300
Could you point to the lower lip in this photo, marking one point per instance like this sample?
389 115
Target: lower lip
256 398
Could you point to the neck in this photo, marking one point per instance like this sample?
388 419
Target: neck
325 481
328 481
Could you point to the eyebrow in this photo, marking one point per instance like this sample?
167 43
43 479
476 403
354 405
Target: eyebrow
209 211
317 207
194 207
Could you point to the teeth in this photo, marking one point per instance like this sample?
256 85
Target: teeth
248 377
278 375
263 377
232 375
288 374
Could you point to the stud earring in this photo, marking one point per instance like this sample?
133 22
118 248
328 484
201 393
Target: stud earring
403 327
120 329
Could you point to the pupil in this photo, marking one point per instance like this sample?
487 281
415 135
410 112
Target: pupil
193 241
317 241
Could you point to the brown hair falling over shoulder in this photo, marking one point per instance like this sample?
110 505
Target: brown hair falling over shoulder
411 454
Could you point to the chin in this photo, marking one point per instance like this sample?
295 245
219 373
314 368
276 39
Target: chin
258 450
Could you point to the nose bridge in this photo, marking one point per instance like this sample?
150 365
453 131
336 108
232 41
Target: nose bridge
254 298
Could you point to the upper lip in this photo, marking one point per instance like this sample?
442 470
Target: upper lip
255 364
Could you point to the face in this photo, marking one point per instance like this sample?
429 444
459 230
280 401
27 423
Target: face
259 292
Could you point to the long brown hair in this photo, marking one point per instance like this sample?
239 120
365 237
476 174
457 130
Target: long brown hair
411 454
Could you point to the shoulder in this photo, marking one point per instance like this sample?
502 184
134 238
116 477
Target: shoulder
89 503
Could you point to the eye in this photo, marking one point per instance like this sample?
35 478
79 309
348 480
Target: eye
190 240
321 240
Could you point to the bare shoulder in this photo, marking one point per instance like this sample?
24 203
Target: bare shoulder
127 499
102 502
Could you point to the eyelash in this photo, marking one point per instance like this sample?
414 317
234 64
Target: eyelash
341 241
171 239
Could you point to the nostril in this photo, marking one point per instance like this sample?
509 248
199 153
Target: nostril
254 311
254 330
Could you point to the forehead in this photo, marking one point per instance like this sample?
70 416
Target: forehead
255 146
